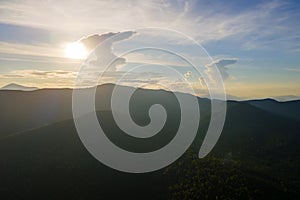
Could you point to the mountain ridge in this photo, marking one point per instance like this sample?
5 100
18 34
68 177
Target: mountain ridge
18 87
229 97
25 110
259 147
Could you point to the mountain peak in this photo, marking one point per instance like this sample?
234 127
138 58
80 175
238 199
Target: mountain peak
15 86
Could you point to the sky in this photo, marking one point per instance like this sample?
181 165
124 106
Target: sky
254 44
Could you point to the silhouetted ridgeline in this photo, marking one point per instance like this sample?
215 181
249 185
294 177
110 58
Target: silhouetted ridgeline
257 156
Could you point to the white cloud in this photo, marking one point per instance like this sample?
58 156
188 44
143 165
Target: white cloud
251 28
47 50
103 58
190 17
38 74
202 83
188 74
292 69
156 57
221 65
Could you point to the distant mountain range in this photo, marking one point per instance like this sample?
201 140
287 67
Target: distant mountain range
289 109
22 111
14 86
42 155
286 98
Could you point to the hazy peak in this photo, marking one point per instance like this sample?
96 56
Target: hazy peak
15 86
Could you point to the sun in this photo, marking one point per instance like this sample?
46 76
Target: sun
75 50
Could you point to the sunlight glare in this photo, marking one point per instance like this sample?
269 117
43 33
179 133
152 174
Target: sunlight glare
75 50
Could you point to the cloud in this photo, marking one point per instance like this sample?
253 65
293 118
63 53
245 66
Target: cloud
11 76
202 82
264 25
292 69
221 65
155 57
37 59
104 53
90 42
39 78
37 74
188 74
205 22
46 50
102 58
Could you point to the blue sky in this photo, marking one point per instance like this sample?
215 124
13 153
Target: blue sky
262 36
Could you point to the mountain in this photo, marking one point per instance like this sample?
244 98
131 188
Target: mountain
286 98
256 157
14 86
23 110
289 109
